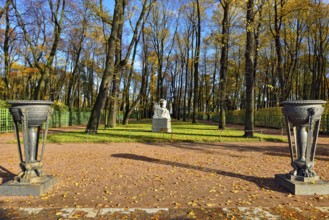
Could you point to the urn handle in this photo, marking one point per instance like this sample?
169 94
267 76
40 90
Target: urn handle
312 111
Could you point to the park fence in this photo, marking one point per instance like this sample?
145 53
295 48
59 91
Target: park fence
269 121
58 119
67 118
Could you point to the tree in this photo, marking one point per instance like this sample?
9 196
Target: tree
108 73
114 63
42 59
143 87
77 37
142 93
249 68
8 40
224 62
5 8
318 44
196 64
121 61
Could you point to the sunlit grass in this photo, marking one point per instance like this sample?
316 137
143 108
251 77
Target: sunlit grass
141 131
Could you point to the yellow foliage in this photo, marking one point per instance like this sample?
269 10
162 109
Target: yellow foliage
137 76
153 83
30 71
58 105
16 66
147 30
2 85
326 108
153 58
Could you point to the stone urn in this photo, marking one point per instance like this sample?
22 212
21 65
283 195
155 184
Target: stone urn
30 116
303 125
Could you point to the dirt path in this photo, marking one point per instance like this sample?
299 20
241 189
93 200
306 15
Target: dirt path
158 175
164 175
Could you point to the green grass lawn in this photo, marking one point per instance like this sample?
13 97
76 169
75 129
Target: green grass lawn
141 131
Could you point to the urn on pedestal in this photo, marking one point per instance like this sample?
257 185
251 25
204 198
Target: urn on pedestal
303 125
30 116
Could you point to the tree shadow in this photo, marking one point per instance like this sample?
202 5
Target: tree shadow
197 129
261 182
10 213
213 148
6 175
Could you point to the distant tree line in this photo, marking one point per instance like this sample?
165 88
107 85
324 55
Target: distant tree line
205 56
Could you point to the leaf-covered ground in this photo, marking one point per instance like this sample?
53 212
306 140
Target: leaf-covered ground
175 175
181 175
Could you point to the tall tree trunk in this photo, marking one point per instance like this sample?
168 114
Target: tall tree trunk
142 93
249 55
223 64
278 48
185 116
126 95
96 112
190 91
196 66
256 48
6 49
179 107
214 81
114 105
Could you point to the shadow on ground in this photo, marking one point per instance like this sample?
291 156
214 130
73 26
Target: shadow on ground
6 175
266 183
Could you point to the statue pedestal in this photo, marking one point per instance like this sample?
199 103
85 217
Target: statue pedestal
161 125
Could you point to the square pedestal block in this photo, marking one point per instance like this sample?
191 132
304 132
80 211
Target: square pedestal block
12 188
161 125
297 187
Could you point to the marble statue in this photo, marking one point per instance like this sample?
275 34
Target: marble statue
161 121
160 110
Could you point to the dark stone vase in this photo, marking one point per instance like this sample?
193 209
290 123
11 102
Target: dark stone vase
31 115
304 117
303 125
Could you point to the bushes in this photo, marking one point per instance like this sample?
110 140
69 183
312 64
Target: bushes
60 106
271 117
267 117
204 115
235 116
4 104
326 109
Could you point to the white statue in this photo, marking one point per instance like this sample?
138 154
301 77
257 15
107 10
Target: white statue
160 110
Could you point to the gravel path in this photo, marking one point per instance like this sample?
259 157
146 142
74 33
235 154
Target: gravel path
175 176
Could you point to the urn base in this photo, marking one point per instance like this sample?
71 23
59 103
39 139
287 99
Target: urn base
13 188
316 186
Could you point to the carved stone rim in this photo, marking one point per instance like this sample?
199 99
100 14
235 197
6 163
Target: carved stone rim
303 102
29 102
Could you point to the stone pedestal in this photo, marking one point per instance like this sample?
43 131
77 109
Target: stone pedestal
308 186
161 125
13 188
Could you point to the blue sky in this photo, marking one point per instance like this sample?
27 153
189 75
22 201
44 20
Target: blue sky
110 4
